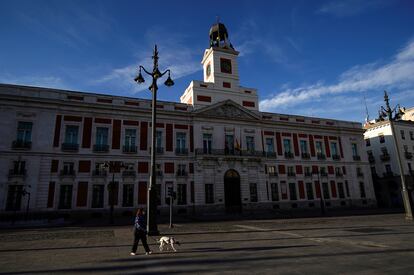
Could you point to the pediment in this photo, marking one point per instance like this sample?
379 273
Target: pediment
227 110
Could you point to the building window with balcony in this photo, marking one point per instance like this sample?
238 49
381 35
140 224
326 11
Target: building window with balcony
275 191
402 134
158 142
270 148
291 171
98 195
253 192
287 146
384 156
130 141
67 169
229 145
181 194
304 149
99 169
309 190
71 138
19 168
355 155
292 191
209 193
207 143
341 190
128 195
271 170
362 189
411 135
334 150
371 157
368 142
181 170
338 172
181 143
250 144
65 197
381 138
101 144
24 135
308 171
319 150
323 172
14 197
359 172
325 189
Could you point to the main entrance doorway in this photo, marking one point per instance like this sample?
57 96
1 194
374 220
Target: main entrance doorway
232 191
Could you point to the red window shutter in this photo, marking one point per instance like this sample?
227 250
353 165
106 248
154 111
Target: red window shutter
248 103
333 188
331 170
55 166
84 166
296 144
142 192
143 167
282 169
203 98
311 145
327 148
169 167
51 194
318 189
116 134
226 84
58 125
191 168
82 196
279 144
87 133
169 138
299 169
191 139
301 189
143 135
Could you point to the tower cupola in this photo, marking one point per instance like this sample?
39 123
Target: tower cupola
219 37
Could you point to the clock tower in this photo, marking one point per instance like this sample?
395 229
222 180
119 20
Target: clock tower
221 75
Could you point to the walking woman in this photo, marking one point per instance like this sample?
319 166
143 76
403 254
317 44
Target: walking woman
140 232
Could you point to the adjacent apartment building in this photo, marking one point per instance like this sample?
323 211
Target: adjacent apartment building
215 149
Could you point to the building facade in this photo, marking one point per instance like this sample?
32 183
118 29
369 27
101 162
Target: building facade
215 149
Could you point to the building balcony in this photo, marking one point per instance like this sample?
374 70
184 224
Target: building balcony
356 158
129 174
320 156
408 155
159 173
385 157
289 155
371 159
308 174
291 174
305 156
181 151
19 173
67 173
388 174
99 173
339 174
336 157
271 155
129 149
324 174
101 148
70 147
21 145
181 173
273 174
360 174
253 153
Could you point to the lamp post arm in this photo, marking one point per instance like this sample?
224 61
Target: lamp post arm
166 71
148 73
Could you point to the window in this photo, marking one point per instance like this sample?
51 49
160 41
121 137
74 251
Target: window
325 189
368 142
347 188
338 171
130 137
209 193
354 150
101 136
291 171
388 169
323 171
275 191
287 146
207 140
98 195
405 148
71 134
19 167
181 194
225 65
270 148
229 144
158 140
334 148
24 132
128 195
341 190
292 191
181 170
68 168
308 171
319 147
181 141
381 138
411 135
362 189
303 146
402 134
250 143
65 197
309 190
14 197
271 170
253 192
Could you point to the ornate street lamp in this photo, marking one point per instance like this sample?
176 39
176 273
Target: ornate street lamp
394 114
112 165
152 228
322 200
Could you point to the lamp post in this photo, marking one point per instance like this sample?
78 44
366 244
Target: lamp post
394 114
152 228
112 165
322 201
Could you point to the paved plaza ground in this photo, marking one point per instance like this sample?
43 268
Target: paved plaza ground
372 244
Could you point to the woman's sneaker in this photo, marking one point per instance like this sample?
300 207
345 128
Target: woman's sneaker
148 253
132 254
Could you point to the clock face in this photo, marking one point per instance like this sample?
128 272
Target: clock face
208 70
225 65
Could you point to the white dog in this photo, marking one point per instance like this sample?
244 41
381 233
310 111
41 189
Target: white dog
163 241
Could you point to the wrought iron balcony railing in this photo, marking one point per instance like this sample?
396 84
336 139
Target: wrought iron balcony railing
291 174
270 155
181 173
17 172
67 173
101 148
273 174
321 156
129 173
356 158
129 149
308 174
289 155
336 157
305 156
181 151
21 144
99 173
70 147
385 157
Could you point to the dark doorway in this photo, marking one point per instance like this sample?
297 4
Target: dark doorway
232 191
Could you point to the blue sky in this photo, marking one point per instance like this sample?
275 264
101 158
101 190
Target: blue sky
315 58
